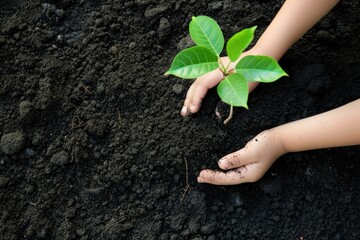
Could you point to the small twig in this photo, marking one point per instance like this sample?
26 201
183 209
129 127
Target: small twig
187 186
76 123
118 122
119 117
230 114
34 203
87 89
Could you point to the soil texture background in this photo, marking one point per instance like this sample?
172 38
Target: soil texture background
93 146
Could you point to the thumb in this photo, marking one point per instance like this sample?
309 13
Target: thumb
248 173
248 164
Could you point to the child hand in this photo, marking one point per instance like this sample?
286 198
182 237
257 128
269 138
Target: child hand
200 87
198 90
248 164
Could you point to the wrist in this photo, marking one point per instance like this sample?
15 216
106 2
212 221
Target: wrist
278 142
260 49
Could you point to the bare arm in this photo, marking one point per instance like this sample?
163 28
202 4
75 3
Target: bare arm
338 127
292 21
335 128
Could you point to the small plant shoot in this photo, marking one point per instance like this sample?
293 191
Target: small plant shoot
204 57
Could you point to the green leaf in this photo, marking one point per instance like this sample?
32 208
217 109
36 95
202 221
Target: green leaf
239 42
193 62
260 69
205 32
234 90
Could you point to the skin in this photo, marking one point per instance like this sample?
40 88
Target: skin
335 128
293 20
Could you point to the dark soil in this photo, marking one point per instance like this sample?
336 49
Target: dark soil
93 146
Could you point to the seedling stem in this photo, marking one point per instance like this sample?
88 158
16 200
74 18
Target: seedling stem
198 60
230 115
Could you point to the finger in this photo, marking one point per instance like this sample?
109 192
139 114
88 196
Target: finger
252 86
198 94
185 111
194 97
248 173
240 158
251 153
198 90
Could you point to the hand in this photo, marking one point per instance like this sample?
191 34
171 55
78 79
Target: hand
248 164
199 88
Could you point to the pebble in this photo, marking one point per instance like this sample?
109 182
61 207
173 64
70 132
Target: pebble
60 13
236 199
42 233
143 2
98 22
113 50
164 29
29 188
95 128
276 218
25 108
80 232
100 88
312 174
325 37
132 45
60 158
12 142
48 9
178 88
152 12
185 43
60 38
211 237
93 191
218 5
207 229
177 222
185 233
193 226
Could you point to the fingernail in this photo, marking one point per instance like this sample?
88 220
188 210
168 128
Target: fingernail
184 110
223 163
192 108
222 160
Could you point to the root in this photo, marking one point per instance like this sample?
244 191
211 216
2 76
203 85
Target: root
230 115
187 186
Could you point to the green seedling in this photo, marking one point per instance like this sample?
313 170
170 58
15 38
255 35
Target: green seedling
204 57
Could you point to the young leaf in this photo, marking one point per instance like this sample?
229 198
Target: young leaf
205 32
193 62
233 90
239 42
260 69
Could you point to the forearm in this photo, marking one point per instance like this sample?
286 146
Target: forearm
335 128
292 21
